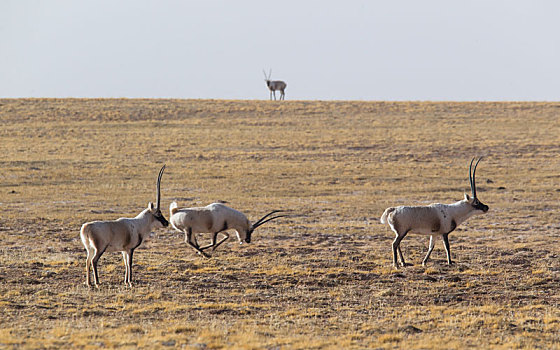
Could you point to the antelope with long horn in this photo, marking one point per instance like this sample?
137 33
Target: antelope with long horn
121 235
434 219
214 218
275 85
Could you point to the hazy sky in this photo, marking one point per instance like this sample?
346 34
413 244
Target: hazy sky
327 50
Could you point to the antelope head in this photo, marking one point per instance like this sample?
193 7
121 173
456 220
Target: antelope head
260 222
267 78
156 211
474 201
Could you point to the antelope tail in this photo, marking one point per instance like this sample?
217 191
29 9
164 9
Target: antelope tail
385 214
173 208
85 235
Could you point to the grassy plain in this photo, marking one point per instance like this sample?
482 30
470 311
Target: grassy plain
319 279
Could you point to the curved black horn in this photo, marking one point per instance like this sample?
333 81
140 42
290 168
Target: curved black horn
472 178
158 186
260 222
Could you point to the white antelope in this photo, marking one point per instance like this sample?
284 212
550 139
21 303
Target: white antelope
214 218
433 219
275 85
121 235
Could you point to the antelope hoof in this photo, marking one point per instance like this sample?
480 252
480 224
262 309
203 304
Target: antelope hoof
407 264
204 254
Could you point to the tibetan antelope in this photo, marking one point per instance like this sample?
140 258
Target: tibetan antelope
214 218
275 85
121 235
433 219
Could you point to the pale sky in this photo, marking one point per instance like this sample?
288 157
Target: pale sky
325 50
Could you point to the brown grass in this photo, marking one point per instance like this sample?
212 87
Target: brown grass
320 279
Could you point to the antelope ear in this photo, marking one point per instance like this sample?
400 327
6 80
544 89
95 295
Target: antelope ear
151 206
467 197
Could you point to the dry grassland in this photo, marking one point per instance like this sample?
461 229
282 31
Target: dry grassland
319 279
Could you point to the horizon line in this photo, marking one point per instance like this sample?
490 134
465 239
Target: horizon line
267 100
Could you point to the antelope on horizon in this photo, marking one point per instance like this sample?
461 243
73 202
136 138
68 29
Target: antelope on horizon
275 85
121 235
433 219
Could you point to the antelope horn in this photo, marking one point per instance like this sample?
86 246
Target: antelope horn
158 186
270 74
265 77
472 177
267 220
260 221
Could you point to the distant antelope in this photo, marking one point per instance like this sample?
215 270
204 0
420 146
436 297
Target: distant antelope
214 218
121 235
433 219
275 85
